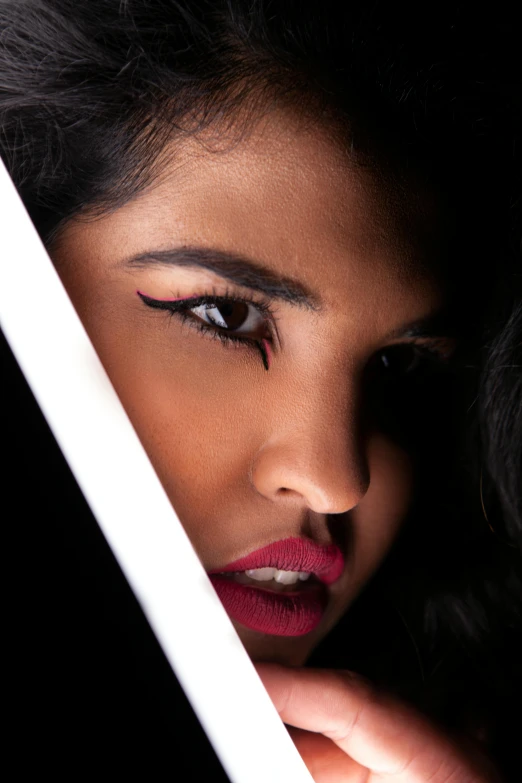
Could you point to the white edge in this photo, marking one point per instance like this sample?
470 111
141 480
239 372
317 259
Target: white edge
133 511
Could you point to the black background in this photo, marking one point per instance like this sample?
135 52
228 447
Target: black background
89 689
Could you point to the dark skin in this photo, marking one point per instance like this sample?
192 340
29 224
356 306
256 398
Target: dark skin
250 456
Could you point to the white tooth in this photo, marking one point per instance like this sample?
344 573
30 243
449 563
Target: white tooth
262 574
287 577
282 577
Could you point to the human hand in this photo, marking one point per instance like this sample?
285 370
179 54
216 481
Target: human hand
348 732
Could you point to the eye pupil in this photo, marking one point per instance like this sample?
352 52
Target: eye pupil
399 360
228 315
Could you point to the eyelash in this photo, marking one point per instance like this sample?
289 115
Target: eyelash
423 353
182 309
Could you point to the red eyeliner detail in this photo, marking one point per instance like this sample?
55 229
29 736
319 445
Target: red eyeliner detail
267 353
264 349
262 345
176 299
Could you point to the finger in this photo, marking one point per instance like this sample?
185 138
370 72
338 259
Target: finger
377 731
325 760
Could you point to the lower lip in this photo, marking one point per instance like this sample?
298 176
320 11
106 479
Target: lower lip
280 614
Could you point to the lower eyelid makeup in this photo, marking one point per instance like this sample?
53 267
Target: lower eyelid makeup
262 345
267 356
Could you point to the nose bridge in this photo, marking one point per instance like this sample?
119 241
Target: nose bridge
332 428
315 448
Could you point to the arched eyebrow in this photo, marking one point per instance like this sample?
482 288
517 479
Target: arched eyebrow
247 273
238 269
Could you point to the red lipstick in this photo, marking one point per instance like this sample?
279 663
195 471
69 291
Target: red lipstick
291 612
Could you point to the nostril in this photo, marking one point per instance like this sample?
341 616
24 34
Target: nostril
297 473
287 492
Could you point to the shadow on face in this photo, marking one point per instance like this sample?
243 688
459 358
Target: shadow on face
247 307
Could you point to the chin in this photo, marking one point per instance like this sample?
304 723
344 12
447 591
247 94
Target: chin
286 650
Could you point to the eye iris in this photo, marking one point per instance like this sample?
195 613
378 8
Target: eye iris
399 360
228 315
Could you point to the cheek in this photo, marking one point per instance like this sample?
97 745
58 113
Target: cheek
391 488
197 420
378 518
196 405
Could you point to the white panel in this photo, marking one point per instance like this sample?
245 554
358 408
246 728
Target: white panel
133 511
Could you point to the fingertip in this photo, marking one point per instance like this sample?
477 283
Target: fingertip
271 672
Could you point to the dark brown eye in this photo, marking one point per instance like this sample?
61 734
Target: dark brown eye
400 359
409 362
401 383
231 316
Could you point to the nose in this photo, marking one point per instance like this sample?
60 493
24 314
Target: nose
314 456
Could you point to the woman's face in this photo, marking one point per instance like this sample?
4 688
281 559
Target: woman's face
320 263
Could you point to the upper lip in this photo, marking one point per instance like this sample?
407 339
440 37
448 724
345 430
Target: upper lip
326 562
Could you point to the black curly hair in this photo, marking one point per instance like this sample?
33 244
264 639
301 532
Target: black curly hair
92 92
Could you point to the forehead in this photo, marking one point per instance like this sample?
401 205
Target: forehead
287 194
